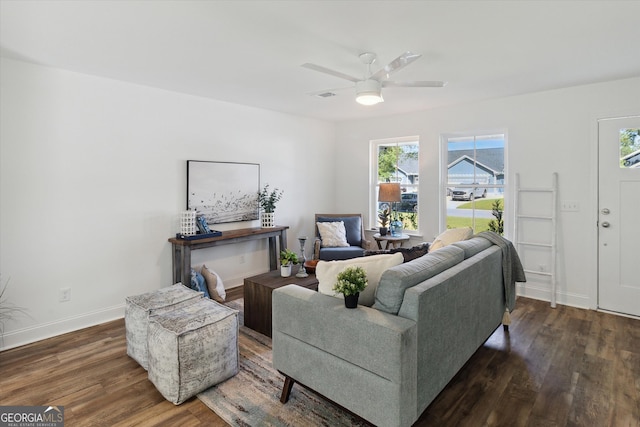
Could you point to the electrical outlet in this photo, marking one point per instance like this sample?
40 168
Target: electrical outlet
570 206
242 259
65 294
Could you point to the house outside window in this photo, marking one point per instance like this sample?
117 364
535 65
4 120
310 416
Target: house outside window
396 160
474 181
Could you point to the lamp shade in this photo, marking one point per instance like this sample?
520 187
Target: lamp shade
389 192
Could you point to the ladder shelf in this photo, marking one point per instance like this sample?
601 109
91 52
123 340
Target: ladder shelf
552 218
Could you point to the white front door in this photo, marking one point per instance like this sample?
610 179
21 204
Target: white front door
619 215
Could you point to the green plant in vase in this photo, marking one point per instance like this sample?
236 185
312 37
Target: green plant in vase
350 282
267 201
287 259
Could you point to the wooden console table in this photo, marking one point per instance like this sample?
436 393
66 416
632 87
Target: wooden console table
182 248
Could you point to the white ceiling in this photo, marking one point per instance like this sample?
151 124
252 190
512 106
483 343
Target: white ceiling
250 52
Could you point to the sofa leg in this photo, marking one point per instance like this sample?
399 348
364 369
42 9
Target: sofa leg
506 328
286 389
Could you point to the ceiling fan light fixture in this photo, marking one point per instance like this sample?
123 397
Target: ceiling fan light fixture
369 92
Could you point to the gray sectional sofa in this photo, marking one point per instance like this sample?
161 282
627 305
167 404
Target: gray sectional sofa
388 362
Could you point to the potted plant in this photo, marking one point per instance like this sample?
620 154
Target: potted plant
287 259
351 281
267 201
383 216
8 310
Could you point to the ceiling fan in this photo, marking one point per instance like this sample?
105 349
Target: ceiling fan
369 89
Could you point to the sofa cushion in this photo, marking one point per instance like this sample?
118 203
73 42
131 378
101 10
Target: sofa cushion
352 226
472 246
396 280
333 234
327 274
348 252
451 236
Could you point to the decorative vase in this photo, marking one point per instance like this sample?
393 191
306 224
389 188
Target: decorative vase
383 231
285 270
351 301
396 228
268 219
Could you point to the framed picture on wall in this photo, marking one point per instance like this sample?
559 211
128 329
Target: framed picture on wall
223 191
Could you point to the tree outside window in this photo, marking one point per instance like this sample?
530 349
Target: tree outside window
397 161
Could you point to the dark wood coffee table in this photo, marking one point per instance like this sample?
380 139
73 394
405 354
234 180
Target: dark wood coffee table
257 297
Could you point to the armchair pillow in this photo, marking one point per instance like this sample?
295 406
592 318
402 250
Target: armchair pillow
333 234
327 274
352 226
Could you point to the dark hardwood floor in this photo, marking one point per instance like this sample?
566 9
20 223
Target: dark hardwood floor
556 367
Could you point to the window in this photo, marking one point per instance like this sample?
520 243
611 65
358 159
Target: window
474 182
630 148
396 160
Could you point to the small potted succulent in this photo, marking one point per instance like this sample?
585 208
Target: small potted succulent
287 259
383 216
351 281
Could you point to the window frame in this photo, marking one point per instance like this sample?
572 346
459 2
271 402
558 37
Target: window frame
374 184
444 173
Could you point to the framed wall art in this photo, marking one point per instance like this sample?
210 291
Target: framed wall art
223 191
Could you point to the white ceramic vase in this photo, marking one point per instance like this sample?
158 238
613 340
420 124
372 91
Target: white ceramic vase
268 219
285 270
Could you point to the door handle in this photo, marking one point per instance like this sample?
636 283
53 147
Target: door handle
606 224
605 211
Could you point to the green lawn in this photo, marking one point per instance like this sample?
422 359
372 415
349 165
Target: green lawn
481 204
482 224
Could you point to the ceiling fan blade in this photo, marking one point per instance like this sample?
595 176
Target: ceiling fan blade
395 65
330 72
414 84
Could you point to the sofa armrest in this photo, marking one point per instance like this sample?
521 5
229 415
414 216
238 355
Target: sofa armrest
371 339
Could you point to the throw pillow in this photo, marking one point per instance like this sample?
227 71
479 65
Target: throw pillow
409 254
197 283
214 284
352 227
327 274
333 234
451 236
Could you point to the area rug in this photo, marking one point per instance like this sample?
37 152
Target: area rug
252 397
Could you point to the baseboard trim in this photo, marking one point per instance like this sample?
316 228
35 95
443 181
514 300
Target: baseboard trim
541 291
43 331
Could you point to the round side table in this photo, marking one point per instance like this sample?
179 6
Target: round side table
391 241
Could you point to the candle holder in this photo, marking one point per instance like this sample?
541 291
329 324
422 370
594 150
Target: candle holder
302 272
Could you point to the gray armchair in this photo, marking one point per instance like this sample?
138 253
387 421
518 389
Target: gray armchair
355 237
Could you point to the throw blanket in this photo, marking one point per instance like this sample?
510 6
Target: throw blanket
512 270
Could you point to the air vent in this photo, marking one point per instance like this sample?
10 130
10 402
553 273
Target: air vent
326 94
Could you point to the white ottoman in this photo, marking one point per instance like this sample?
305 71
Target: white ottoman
138 309
192 348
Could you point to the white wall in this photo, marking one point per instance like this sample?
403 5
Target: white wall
547 132
93 176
